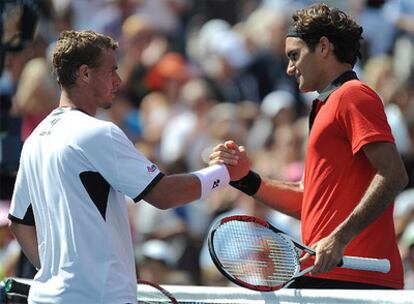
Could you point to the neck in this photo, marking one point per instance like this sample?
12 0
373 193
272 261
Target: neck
74 99
331 74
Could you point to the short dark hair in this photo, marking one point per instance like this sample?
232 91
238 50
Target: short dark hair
76 48
316 21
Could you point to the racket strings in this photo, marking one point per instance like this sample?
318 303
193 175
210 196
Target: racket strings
255 254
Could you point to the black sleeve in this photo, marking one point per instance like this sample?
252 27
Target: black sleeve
28 218
149 187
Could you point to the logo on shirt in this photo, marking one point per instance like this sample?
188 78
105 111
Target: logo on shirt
152 168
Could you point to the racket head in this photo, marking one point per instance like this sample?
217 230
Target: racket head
252 253
155 293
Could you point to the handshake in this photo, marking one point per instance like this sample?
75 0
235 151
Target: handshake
235 158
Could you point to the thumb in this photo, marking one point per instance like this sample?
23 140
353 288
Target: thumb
230 144
242 150
307 256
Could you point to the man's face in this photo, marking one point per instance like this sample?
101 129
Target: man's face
303 64
105 80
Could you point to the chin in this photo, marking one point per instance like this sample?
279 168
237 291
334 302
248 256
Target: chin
304 88
107 105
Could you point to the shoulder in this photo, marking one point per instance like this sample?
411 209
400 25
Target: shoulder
88 130
92 125
356 89
357 94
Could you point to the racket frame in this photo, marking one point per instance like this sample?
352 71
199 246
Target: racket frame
359 263
253 219
161 289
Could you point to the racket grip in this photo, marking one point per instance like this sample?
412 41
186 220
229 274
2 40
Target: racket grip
14 286
370 264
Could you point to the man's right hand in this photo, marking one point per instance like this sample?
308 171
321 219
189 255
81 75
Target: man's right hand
233 156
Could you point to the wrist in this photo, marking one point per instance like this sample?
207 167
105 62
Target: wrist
342 236
212 178
249 184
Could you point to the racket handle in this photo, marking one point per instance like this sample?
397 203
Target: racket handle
370 264
14 286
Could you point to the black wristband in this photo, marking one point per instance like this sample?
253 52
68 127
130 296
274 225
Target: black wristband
248 184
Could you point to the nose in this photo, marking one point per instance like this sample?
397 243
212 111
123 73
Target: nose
290 70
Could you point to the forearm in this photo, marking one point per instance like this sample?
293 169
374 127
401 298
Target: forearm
376 199
175 190
26 236
282 196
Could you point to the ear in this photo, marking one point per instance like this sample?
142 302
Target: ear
325 46
84 73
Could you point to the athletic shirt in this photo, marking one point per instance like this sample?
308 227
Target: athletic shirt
74 173
337 174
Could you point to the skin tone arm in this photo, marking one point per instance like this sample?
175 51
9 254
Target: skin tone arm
174 190
282 196
26 236
390 179
178 189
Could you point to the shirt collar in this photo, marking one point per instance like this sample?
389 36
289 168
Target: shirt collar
346 76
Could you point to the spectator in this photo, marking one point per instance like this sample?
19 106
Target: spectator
36 96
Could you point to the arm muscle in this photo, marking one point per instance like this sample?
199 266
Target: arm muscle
390 179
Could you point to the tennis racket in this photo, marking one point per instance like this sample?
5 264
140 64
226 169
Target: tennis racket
154 293
254 254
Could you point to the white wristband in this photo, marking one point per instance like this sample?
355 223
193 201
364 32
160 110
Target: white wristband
212 178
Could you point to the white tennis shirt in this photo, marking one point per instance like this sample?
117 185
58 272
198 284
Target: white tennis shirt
74 173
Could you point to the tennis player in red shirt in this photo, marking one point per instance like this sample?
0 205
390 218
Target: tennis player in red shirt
352 171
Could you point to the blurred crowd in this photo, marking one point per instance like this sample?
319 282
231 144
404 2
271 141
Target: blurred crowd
196 73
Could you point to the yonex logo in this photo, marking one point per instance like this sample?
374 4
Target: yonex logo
152 168
216 183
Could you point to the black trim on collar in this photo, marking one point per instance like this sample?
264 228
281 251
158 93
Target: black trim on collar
77 109
68 108
346 76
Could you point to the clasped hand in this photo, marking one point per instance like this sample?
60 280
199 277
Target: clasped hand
233 156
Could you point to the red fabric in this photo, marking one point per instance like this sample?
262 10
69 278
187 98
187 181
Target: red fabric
29 123
337 173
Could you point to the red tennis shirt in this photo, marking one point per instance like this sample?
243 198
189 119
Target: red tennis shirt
337 174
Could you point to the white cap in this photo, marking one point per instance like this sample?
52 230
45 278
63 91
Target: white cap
407 238
158 250
276 101
208 31
231 46
4 213
212 27
404 202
